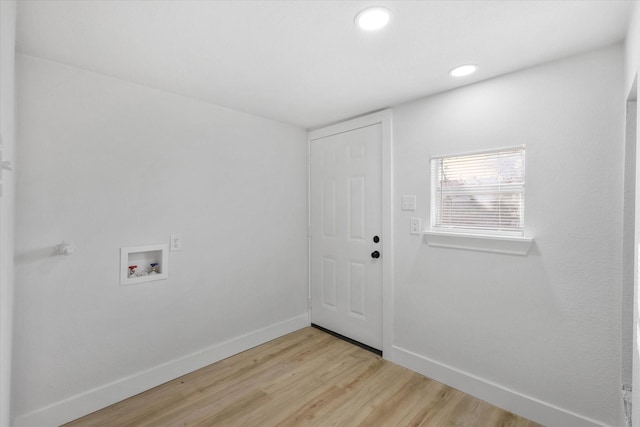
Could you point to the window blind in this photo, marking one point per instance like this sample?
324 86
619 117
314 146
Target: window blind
482 192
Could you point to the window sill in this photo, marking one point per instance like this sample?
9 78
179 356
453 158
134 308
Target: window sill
480 242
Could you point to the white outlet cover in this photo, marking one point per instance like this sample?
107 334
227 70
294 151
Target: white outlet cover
176 242
415 226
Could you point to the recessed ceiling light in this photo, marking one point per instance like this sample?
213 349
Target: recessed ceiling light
372 18
463 70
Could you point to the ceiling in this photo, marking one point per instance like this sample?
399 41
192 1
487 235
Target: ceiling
304 62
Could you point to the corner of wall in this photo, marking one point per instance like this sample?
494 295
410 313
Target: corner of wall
632 47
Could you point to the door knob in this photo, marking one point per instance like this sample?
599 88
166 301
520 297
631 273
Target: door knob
376 239
375 254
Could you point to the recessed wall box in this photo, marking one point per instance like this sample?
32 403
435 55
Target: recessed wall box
144 264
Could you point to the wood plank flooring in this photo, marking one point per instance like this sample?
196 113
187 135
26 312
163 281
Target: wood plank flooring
307 378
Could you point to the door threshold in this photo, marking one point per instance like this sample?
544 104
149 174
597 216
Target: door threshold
349 340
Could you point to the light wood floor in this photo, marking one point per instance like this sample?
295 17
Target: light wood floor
307 378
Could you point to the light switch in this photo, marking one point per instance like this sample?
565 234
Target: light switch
408 203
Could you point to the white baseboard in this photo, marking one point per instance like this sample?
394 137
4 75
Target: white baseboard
525 406
108 394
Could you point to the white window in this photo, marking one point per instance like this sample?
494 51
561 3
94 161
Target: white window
479 193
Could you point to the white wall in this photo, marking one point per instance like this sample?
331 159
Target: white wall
538 334
7 125
107 164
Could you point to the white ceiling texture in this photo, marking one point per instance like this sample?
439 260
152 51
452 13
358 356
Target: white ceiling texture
305 62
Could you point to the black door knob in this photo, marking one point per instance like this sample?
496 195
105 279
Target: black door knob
376 239
375 254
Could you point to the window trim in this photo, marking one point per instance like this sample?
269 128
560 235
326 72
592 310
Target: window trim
513 245
496 241
469 230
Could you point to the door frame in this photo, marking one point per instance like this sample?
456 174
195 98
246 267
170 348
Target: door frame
7 207
629 252
632 138
384 118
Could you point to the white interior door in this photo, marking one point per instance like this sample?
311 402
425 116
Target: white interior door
346 233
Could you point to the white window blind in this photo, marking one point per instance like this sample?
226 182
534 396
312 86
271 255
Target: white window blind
480 192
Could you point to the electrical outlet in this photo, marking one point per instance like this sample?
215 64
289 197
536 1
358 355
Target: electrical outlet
415 225
176 242
408 203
